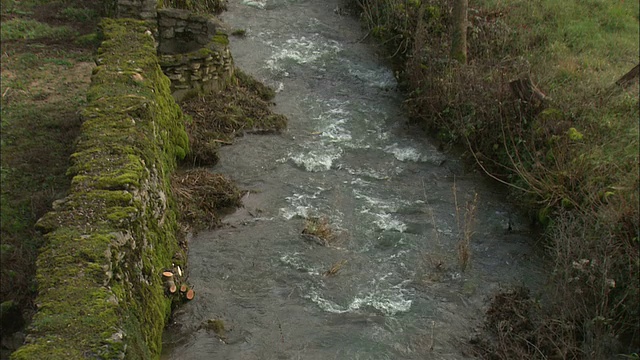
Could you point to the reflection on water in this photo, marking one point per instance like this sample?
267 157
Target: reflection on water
388 193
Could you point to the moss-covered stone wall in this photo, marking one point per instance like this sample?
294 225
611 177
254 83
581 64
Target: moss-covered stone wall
99 274
194 52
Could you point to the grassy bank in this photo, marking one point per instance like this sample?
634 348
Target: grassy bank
46 65
570 155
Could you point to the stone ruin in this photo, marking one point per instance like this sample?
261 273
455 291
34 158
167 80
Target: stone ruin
192 48
193 52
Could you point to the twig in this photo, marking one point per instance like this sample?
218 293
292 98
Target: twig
433 325
365 36
490 174
433 219
532 345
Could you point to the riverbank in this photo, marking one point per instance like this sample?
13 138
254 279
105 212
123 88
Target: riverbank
568 149
48 58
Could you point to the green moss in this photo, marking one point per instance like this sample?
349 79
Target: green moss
574 134
217 325
221 39
100 291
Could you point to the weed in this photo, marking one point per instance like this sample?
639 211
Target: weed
216 325
79 14
319 230
28 60
335 268
465 220
57 61
239 33
218 118
39 123
204 6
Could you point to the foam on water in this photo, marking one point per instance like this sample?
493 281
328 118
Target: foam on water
389 301
295 261
316 160
404 153
255 3
387 222
371 173
386 204
298 211
301 50
336 133
381 77
300 206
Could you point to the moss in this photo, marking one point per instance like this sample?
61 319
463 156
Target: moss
217 325
221 39
100 291
574 134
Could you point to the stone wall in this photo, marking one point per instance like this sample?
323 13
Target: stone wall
100 290
193 51
193 48
136 9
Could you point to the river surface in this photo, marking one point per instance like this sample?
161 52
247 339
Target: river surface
395 203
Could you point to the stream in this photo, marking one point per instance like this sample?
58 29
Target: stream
395 203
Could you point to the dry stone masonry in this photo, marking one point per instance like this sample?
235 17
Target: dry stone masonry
192 48
193 52
137 9
100 290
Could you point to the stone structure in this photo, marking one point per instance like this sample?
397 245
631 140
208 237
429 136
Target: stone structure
193 51
137 9
192 48
101 293
100 290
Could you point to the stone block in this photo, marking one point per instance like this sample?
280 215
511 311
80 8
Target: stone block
174 13
164 21
168 33
148 15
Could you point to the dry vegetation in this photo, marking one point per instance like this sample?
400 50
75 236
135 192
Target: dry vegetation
203 196
569 153
218 118
319 230
465 219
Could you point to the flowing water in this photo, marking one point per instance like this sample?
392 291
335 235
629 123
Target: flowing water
395 202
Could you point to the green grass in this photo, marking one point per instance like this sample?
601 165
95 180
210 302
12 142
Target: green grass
79 14
29 29
42 91
586 47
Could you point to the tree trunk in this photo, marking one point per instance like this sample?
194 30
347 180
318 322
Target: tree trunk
628 78
459 34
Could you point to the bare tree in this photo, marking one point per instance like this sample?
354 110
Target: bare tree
459 35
